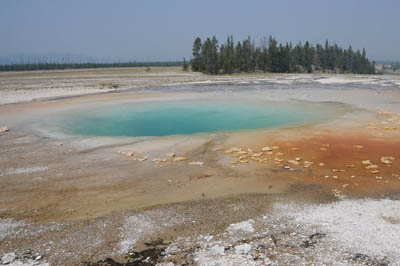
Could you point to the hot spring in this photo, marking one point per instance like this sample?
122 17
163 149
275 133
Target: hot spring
177 117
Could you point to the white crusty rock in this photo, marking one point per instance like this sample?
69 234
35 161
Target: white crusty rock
387 160
196 163
8 258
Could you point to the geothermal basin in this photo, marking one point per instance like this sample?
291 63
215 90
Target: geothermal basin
127 168
189 116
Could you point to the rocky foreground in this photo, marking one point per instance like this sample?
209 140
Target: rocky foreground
343 232
348 232
25 258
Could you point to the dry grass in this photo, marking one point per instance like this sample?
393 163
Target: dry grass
108 85
92 71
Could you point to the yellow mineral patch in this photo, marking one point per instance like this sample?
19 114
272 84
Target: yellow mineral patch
358 146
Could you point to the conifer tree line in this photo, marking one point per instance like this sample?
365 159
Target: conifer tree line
61 66
230 57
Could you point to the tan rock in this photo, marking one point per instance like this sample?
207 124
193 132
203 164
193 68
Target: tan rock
383 112
233 149
180 159
275 148
126 153
386 160
143 159
372 166
366 162
379 177
358 146
4 129
323 149
321 164
350 165
279 154
257 154
266 149
375 172
170 154
294 162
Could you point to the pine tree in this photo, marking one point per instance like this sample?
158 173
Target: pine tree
196 52
185 65
273 55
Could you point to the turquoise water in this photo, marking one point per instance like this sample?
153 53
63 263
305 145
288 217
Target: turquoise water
191 116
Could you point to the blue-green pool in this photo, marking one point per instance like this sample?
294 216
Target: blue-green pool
163 118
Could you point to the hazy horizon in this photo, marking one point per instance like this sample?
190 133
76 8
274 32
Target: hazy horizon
165 30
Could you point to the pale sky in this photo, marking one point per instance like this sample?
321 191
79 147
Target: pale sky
165 29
